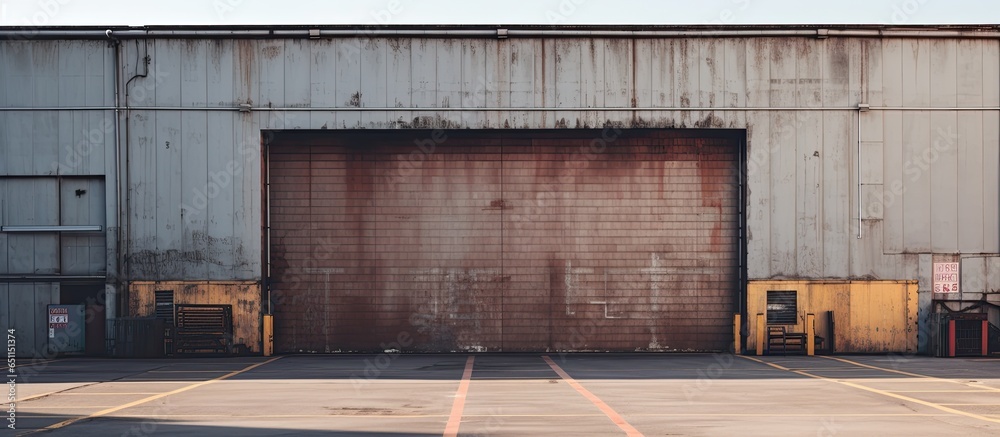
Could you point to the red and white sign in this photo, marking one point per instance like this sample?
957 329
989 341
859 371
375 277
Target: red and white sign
946 277
58 318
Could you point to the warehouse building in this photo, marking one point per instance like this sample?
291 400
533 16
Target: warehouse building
477 188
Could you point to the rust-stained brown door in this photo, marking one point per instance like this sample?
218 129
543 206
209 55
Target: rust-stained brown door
503 241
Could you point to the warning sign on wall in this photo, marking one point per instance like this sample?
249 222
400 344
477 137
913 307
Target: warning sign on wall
946 277
58 317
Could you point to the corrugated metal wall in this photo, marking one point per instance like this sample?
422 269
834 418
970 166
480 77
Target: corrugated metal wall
801 163
23 308
930 177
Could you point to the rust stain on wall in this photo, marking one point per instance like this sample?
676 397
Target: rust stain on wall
243 296
526 241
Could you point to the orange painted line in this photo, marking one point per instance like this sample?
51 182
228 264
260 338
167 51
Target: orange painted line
607 410
455 419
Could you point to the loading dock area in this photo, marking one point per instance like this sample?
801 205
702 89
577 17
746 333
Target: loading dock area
512 394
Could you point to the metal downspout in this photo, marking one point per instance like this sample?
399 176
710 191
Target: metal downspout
862 108
111 307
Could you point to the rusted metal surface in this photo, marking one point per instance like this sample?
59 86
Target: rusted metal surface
869 316
243 296
487 241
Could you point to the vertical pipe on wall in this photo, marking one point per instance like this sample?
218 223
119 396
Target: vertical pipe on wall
266 220
860 110
126 180
111 294
741 295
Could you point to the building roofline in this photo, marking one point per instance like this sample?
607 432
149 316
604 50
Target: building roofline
499 31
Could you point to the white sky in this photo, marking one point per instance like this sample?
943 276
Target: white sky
389 12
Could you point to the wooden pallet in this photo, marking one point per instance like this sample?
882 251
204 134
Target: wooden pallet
780 340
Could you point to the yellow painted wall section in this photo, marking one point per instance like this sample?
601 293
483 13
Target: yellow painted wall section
869 316
243 296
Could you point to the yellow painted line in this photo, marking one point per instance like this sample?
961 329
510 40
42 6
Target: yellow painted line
940 391
288 416
884 393
188 371
35 363
915 375
19 400
110 393
867 366
455 418
68 422
152 381
601 405
767 363
30 398
64 407
973 405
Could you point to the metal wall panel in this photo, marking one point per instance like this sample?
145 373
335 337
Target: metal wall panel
82 202
23 308
31 201
191 172
53 74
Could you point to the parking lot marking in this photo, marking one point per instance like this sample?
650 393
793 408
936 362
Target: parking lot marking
972 405
420 416
941 391
29 398
842 360
607 410
455 419
34 363
105 412
915 375
881 392
33 407
109 393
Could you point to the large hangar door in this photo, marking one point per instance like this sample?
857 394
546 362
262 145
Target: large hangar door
512 241
382 238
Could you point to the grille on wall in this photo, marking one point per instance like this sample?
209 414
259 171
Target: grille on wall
782 308
165 305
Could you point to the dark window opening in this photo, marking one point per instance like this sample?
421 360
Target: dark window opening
782 308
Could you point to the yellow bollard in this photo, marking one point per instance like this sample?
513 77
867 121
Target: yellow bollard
268 335
737 343
810 334
761 327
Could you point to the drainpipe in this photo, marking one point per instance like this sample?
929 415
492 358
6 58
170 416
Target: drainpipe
862 108
111 293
